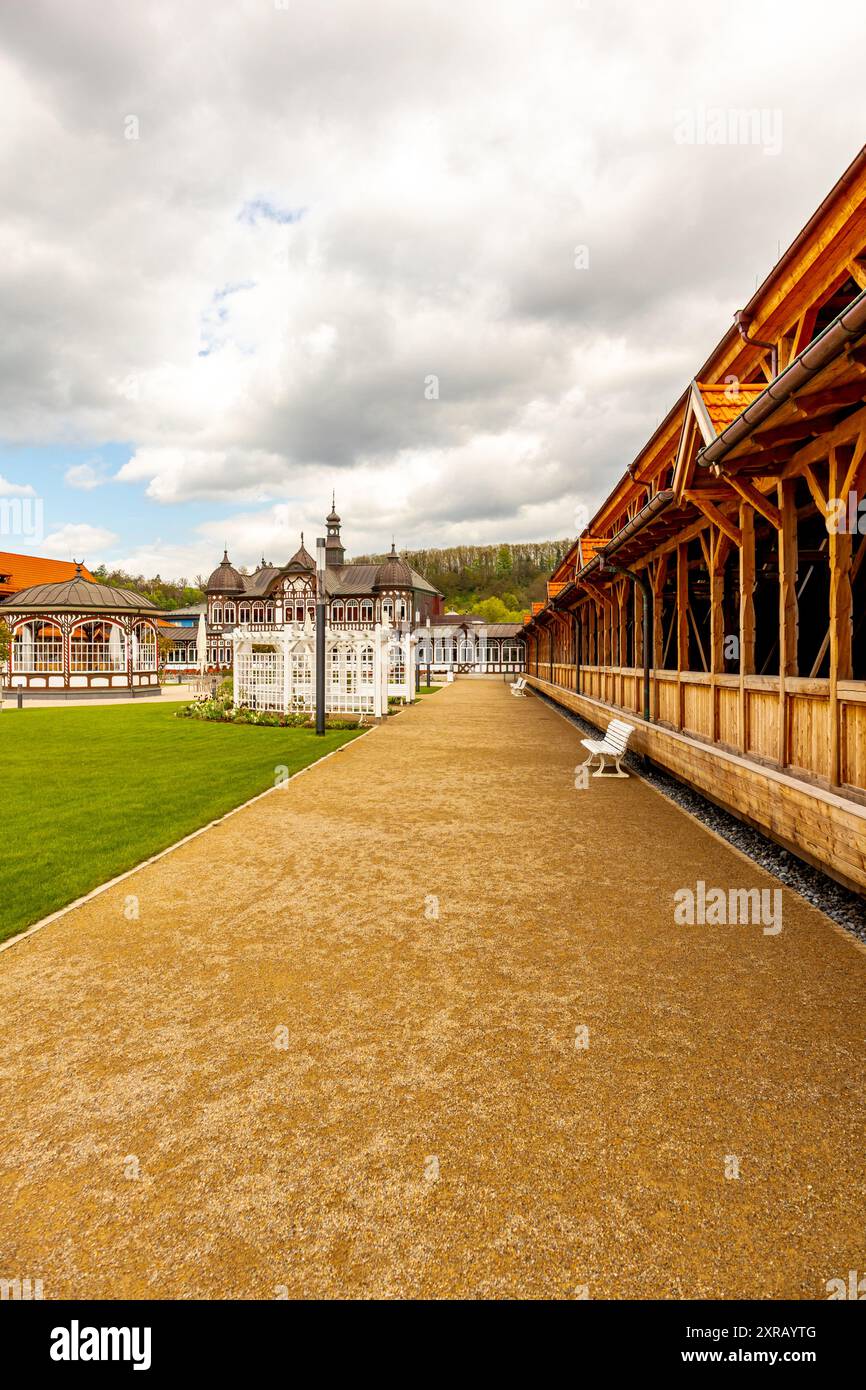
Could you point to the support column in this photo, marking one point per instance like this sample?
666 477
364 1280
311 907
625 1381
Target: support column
682 625
788 608
747 616
841 625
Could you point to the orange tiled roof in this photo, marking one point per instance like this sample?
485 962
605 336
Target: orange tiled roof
725 402
27 570
554 587
588 546
536 608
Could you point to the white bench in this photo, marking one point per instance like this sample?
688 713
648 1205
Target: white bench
613 746
518 687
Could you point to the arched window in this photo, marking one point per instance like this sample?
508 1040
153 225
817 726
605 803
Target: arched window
244 613
37 646
258 614
144 649
269 613
217 614
467 650
230 612
387 610
337 612
351 612
401 610
366 611
492 651
99 645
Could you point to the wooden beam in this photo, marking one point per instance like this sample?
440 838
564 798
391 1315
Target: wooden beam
747 615
815 489
683 608
788 607
761 504
713 514
816 402
841 624
857 270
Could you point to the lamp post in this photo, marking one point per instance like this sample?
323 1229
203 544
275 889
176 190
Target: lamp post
320 635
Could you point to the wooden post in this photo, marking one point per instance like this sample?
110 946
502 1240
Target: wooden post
788 608
718 546
841 627
682 625
658 582
747 615
622 641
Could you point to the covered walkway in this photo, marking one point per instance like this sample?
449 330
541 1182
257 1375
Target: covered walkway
335 1055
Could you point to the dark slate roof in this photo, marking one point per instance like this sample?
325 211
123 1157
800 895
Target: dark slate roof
257 584
225 578
504 629
79 594
394 573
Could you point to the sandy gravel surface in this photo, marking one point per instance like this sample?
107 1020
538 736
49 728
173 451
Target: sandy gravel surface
326 1091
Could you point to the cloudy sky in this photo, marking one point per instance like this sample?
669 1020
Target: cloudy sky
453 260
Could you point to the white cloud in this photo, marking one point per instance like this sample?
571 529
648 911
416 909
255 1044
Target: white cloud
77 541
8 489
329 204
85 476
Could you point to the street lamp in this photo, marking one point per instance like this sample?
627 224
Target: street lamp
320 635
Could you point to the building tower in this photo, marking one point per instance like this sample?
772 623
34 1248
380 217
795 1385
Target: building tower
334 552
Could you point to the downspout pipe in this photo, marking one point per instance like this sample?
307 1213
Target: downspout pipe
647 624
743 319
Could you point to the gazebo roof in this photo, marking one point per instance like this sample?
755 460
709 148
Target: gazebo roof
78 595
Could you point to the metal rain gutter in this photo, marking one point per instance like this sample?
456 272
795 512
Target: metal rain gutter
847 326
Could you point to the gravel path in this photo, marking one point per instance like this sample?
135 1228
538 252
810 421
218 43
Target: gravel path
845 907
291 1076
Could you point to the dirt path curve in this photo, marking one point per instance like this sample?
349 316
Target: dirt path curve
326 1091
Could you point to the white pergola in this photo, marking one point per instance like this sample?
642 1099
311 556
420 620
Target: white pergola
275 669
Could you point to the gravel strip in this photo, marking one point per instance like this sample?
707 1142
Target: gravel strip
844 907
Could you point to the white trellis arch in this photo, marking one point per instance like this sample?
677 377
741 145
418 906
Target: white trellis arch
275 669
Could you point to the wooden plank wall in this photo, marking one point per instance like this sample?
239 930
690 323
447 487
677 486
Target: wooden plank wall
821 826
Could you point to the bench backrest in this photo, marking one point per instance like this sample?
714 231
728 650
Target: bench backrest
618 734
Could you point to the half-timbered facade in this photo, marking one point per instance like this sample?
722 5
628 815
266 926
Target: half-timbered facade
359 597
76 638
719 593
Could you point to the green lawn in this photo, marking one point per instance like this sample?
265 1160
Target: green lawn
87 793
428 689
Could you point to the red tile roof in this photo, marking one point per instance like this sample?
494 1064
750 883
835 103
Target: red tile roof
23 571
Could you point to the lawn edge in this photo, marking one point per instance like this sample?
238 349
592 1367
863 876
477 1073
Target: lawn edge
193 835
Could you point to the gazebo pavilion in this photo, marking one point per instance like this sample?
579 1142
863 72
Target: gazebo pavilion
79 639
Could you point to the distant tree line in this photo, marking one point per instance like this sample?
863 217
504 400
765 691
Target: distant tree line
163 592
499 582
